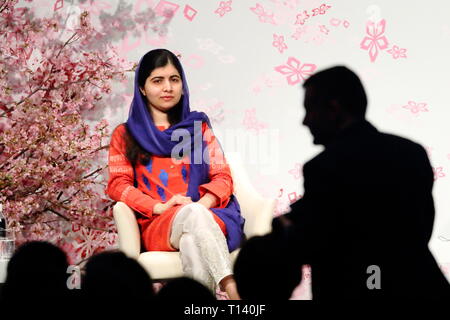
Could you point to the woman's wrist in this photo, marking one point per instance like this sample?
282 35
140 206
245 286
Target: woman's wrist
208 200
159 208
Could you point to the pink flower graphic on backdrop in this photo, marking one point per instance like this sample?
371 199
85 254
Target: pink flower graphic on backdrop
346 24
278 42
397 52
189 12
321 10
295 71
335 22
416 107
263 16
95 7
375 40
302 17
299 32
294 197
324 29
224 7
58 5
251 123
438 173
297 171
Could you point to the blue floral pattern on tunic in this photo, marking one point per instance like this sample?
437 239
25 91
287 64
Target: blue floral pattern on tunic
164 177
161 193
146 182
184 173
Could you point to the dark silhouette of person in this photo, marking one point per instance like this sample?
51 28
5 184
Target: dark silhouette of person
367 212
185 289
112 276
265 270
36 272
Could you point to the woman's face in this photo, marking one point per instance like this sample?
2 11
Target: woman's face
163 88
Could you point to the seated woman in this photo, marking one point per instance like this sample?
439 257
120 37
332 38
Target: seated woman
183 201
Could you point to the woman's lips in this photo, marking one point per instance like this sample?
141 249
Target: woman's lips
167 98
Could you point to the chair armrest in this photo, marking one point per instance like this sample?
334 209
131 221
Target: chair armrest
128 230
257 211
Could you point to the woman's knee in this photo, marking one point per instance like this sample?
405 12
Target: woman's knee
198 212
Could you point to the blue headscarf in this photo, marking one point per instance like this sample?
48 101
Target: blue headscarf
157 142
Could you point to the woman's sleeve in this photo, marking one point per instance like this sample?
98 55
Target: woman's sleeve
221 184
121 177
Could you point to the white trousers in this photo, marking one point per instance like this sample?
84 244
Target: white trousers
202 244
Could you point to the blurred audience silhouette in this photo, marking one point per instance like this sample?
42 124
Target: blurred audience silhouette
112 276
265 270
36 272
185 289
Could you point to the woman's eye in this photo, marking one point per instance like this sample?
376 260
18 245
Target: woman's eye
156 81
175 79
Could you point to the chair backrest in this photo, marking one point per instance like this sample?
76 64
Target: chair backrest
257 211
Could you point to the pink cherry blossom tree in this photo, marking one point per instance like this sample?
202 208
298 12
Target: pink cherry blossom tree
52 160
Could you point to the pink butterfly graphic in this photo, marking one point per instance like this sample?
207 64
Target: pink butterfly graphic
263 16
278 42
397 52
375 40
224 7
295 71
416 107
321 10
302 17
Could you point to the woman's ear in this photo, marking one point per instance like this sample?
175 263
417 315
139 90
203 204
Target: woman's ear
142 91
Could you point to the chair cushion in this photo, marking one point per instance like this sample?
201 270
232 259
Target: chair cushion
166 265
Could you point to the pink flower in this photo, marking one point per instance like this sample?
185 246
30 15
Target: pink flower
324 29
295 71
397 52
321 10
263 16
375 40
302 17
224 7
416 107
251 123
278 42
298 33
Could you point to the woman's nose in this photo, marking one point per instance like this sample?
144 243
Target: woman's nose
167 86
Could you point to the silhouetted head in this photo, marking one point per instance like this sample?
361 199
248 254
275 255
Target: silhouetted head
185 289
334 98
110 275
37 270
265 270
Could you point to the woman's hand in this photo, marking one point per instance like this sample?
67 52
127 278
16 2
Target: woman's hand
177 199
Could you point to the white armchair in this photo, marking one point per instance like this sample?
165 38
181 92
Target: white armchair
257 211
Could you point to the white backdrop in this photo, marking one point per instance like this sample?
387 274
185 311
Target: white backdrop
231 50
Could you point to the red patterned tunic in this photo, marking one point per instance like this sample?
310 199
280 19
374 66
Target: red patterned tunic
157 182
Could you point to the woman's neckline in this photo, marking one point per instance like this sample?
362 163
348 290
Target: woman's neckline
162 127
